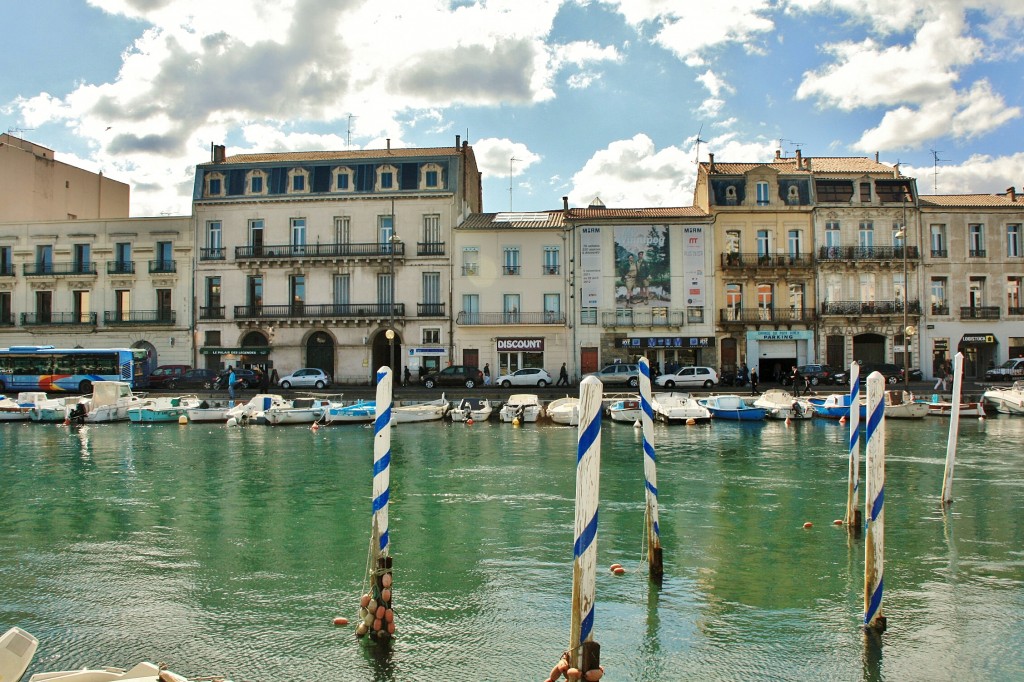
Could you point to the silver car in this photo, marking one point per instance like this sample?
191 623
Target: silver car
528 376
688 376
306 377
620 373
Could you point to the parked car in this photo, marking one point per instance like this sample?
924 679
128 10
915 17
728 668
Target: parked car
528 376
456 375
306 377
619 373
194 378
247 378
1011 370
893 373
688 376
164 374
818 374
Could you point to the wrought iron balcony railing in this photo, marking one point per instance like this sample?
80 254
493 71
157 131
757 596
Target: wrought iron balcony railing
976 253
498 319
58 319
766 260
214 312
857 308
344 250
471 269
628 317
550 269
429 248
765 315
120 267
319 310
6 319
129 317
212 253
985 312
1015 310
511 269
940 253
430 309
6 269
162 266
940 309
873 253
50 269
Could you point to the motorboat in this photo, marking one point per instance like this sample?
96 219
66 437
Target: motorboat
359 412
781 404
477 409
733 408
944 408
679 408
110 402
564 411
207 411
1006 400
20 409
832 406
524 407
162 409
899 404
299 411
254 410
430 410
625 410
55 409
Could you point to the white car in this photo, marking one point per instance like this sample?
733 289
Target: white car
306 377
688 376
528 376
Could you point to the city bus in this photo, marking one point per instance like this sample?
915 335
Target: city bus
50 369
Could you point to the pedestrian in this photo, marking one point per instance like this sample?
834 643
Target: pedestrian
797 380
231 382
264 380
563 376
753 382
947 382
487 374
406 376
273 378
940 377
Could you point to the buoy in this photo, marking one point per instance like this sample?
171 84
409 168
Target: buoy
361 630
593 675
614 566
637 424
787 421
389 615
341 621
619 571
556 673
377 624
380 612
837 522
469 422
372 606
391 628
183 420
515 421
691 421
315 427
842 420
573 674
385 595
364 601
385 580
808 525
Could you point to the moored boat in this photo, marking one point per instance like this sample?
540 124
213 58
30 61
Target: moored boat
781 404
899 404
207 411
20 409
477 409
359 412
524 407
253 411
832 406
162 409
110 402
943 408
55 409
1005 400
625 410
430 410
732 408
679 408
298 411
564 411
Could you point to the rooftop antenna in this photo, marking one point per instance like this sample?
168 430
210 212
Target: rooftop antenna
510 161
935 170
796 145
697 142
18 130
348 139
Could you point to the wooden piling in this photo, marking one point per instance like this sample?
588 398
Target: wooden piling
380 563
853 518
954 429
655 564
874 504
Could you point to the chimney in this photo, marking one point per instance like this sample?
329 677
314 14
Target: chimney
1011 194
807 163
876 157
896 169
778 154
711 162
799 160
458 139
218 153
389 145
565 203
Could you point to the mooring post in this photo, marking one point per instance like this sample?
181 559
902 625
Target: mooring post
853 517
954 429
584 567
874 504
656 567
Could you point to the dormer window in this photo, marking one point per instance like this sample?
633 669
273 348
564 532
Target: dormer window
298 181
793 198
730 195
344 179
215 185
386 178
430 176
762 194
256 182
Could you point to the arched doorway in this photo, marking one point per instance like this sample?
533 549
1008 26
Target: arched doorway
869 348
152 361
382 354
260 359
320 352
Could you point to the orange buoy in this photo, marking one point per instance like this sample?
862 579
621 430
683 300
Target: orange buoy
364 601
385 595
593 675
381 611
385 580
391 628
389 615
556 673
573 674
842 420
837 522
619 571
469 422
377 625
808 525
614 566
341 621
315 427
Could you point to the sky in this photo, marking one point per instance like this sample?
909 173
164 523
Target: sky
616 99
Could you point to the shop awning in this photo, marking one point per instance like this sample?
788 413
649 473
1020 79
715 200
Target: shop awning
246 350
978 340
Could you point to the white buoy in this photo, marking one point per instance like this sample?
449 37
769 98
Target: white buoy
232 421
183 420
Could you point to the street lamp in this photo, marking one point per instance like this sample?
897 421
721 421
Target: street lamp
393 242
908 330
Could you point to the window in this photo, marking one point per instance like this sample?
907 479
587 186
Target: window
765 304
163 305
431 336
471 308
432 288
551 266
939 304
733 300
82 307
44 259
867 288
796 298
297 293
387 180
122 304
6 264
385 229
793 241
164 257
298 229
976 240
732 241
938 241
866 235
254 293
44 307
343 179
552 307
213 293
430 179
511 261
342 289
6 313
865 192
342 230
384 289
510 306
256 236
470 260
762 194
297 178
898 240
214 185
432 229
899 290
834 288
82 264
832 239
256 184
834 191
763 244
1013 296
976 292
1013 241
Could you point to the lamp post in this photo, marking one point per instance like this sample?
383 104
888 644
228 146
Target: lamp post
393 242
908 331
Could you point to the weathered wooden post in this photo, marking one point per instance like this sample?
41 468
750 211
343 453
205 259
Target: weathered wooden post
375 608
656 567
874 504
954 429
853 517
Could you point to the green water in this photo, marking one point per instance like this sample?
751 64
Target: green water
228 551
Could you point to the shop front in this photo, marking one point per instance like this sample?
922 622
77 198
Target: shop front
775 353
979 354
423 360
517 353
669 353
251 357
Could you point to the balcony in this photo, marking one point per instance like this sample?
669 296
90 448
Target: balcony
511 269
120 267
320 311
500 319
212 253
471 269
162 266
429 248
739 261
286 252
859 308
58 269
976 253
430 309
985 312
211 312
866 253
1015 310
550 269
6 269
58 319
765 315
940 309
940 253
138 317
627 317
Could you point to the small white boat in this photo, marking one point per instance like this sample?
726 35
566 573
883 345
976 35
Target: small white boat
427 411
477 409
253 411
299 411
207 411
55 409
20 409
110 402
734 408
162 409
939 408
899 404
524 407
781 404
625 410
360 412
679 408
1006 400
564 411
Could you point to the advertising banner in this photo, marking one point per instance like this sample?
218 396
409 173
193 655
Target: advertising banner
642 266
590 267
693 265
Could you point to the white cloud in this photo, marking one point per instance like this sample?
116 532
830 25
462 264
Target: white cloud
714 84
979 174
710 108
631 173
493 157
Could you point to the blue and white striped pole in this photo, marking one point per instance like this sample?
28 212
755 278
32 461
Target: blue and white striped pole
584 566
656 567
853 517
874 505
954 429
382 463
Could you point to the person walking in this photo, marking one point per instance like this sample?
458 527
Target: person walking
563 376
264 380
487 374
753 382
940 377
406 376
231 382
797 380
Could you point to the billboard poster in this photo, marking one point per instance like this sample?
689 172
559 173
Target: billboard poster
642 266
693 265
590 267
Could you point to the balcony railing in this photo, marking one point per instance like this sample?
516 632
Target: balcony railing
976 253
940 309
6 319
1014 310
346 250
985 312
6 269
857 308
319 310
429 248
430 309
940 253
766 260
211 312
765 315
212 253
550 269
627 317
58 319
50 269
510 269
876 253
471 269
120 267
162 266
497 319
129 317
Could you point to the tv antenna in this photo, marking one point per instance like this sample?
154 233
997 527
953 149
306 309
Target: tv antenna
935 170
348 138
796 145
510 162
697 142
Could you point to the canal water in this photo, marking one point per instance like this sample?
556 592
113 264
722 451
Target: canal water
228 551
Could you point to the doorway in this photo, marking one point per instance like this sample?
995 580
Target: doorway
320 352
